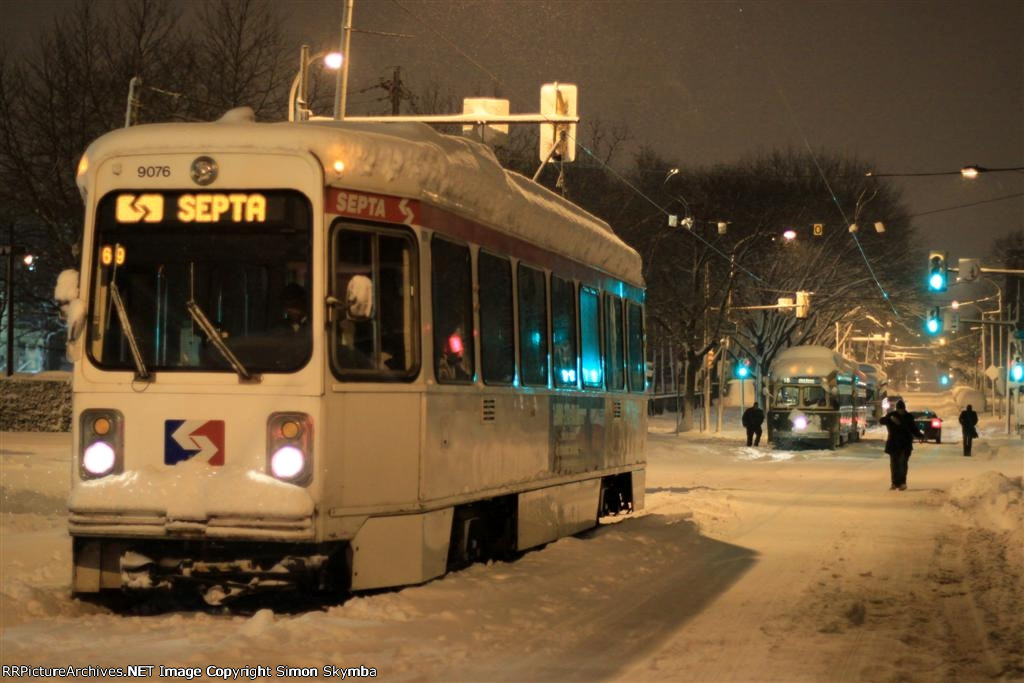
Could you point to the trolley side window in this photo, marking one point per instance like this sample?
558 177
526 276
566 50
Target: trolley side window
451 281
635 347
614 354
497 323
533 327
375 333
563 332
590 337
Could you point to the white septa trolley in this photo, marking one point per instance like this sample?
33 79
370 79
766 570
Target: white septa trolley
342 354
817 398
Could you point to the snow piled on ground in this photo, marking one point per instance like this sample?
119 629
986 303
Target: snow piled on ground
990 500
747 564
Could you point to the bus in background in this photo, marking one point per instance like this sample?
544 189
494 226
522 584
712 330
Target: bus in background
336 354
817 398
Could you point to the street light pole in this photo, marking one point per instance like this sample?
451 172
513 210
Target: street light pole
298 106
341 82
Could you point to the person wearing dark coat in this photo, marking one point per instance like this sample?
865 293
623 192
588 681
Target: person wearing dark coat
968 424
753 418
900 443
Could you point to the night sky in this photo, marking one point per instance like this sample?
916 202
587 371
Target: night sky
911 87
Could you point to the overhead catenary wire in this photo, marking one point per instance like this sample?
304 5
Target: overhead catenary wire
600 162
964 206
832 194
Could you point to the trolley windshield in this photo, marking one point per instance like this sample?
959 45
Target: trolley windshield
800 396
201 281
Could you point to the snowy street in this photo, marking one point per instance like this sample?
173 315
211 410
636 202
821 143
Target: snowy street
747 564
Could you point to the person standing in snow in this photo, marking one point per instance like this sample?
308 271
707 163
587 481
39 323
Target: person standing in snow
968 424
753 418
900 443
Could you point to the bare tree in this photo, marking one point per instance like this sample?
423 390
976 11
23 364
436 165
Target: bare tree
702 279
240 58
69 91
72 85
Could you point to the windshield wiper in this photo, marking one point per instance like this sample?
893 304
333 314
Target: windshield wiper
214 337
126 326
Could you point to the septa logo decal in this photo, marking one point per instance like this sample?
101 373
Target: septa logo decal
187 439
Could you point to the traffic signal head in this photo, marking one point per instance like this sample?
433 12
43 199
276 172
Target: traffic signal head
944 380
1016 373
932 322
938 275
951 320
803 304
742 369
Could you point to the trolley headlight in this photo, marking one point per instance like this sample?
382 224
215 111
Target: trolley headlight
101 443
286 462
800 423
99 458
290 447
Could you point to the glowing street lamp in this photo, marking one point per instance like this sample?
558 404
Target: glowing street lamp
298 109
973 171
970 172
333 60
789 235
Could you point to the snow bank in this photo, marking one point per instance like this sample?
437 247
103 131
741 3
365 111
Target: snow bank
990 500
964 396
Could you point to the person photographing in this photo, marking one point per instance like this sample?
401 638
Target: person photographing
902 430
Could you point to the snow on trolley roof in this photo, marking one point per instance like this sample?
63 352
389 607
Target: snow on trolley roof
409 160
810 361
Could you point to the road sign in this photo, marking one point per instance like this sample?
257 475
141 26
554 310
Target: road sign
992 372
819 229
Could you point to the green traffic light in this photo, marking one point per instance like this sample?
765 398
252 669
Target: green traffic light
937 272
1017 372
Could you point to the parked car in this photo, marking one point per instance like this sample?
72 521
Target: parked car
929 423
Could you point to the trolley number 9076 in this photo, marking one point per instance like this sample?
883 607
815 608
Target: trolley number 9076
153 171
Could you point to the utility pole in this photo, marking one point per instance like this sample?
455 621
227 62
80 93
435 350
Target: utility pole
8 249
396 91
705 417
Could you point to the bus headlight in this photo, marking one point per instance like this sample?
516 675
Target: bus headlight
800 423
101 443
290 447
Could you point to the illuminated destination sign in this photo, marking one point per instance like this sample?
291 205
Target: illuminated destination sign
140 208
111 254
198 207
